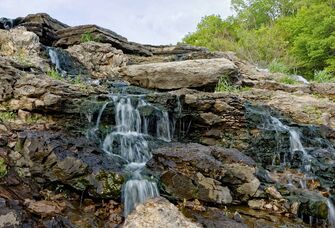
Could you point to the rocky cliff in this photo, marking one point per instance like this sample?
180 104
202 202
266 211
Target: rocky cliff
245 149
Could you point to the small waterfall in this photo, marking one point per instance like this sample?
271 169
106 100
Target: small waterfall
295 142
331 213
128 140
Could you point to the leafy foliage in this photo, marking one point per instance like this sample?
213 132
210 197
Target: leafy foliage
298 34
87 37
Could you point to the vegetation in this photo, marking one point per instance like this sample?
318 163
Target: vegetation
224 85
287 79
87 37
54 74
3 167
7 116
323 76
285 35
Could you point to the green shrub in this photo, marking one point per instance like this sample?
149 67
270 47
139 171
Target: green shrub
323 76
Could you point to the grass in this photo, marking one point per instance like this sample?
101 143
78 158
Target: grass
87 37
54 74
323 76
286 79
277 67
224 85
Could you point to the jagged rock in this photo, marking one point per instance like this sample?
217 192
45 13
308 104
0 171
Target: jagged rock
44 26
102 60
203 73
73 35
50 158
158 212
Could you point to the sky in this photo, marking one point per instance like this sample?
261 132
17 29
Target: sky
143 21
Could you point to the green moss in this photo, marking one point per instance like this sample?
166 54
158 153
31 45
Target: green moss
112 183
8 116
3 167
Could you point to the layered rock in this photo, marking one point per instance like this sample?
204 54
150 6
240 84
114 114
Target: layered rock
158 212
175 75
73 35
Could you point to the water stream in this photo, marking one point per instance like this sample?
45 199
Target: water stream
135 122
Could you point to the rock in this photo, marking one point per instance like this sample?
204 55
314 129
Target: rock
194 171
73 36
100 59
257 204
44 208
212 217
198 74
23 115
44 26
272 191
157 212
241 180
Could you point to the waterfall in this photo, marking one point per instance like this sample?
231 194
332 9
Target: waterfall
55 60
128 140
295 142
331 213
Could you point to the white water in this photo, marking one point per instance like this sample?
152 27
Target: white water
54 59
331 213
128 141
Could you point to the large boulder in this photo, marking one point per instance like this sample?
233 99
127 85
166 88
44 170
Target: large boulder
201 74
158 212
73 35
101 59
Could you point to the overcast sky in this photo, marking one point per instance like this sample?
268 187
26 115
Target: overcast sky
144 21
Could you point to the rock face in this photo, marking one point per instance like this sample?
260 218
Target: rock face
193 171
73 35
101 60
175 75
158 212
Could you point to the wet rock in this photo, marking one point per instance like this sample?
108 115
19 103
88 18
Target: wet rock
157 212
101 59
175 75
73 35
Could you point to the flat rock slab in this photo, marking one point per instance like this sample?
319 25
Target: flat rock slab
202 73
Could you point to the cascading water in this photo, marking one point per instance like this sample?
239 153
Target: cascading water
128 140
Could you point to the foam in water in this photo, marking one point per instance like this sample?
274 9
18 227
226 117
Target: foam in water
128 141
